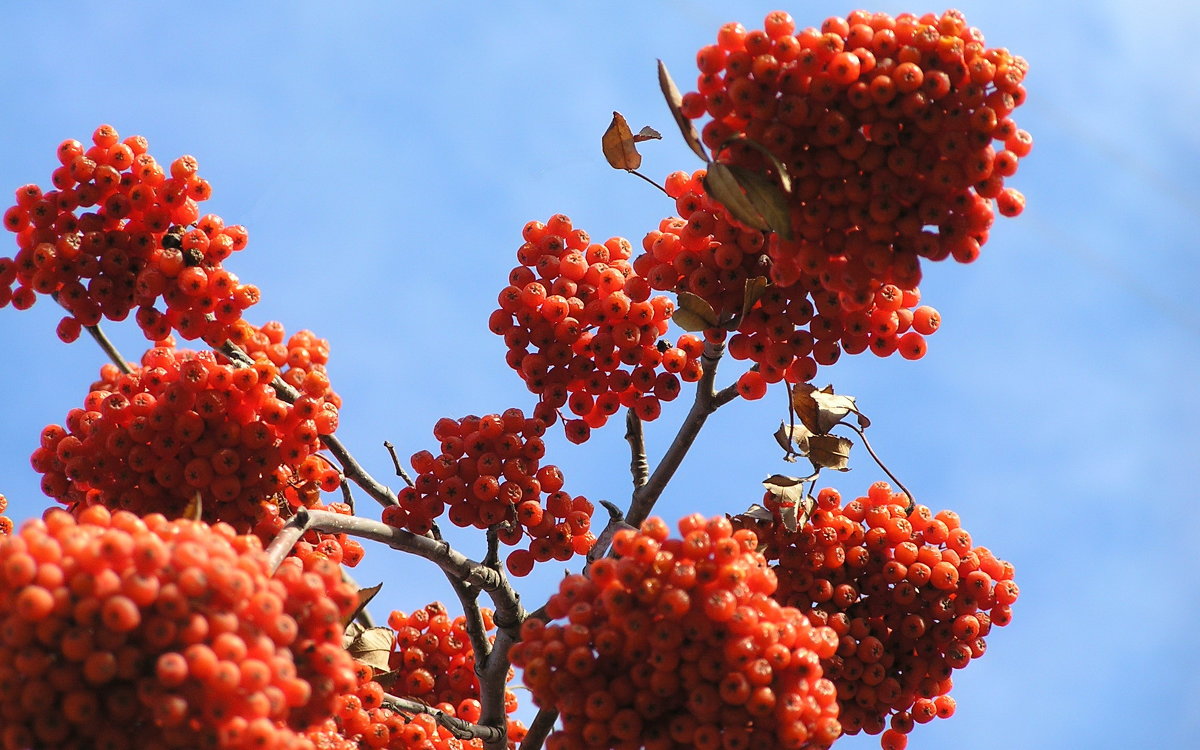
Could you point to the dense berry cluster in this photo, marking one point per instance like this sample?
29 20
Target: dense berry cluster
886 128
434 662
910 597
142 239
127 632
678 643
488 474
594 326
185 425
6 524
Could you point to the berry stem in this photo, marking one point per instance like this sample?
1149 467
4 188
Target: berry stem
647 179
638 465
912 502
460 728
400 472
707 401
109 348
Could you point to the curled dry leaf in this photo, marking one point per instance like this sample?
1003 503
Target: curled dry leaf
373 647
194 511
675 103
793 439
767 199
365 595
795 505
829 452
722 185
619 145
647 133
693 313
821 410
755 288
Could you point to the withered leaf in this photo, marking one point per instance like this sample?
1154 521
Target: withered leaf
830 452
619 146
755 288
722 185
194 510
693 313
647 133
793 439
781 170
675 104
821 410
756 513
373 648
795 505
365 595
767 198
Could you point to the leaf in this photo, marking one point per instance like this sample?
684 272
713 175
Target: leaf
647 133
365 595
675 104
756 513
753 291
194 510
767 198
781 170
693 313
373 647
619 146
722 186
830 452
821 410
795 505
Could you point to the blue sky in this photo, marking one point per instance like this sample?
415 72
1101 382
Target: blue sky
385 158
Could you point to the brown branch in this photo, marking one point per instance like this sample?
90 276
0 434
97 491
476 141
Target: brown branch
912 501
706 402
400 472
616 521
639 467
109 348
460 728
540 729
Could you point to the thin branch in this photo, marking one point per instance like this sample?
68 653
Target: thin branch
109 348
460 728
468 597
647 179
616 520
347 496
639 467
400 472
540 729
912 501
707 401
287 537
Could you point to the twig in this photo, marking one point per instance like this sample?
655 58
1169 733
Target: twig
639 467
707 401
539 729
912 501
109 348
347 496
460 728
287 537
616 520
400 472
647 179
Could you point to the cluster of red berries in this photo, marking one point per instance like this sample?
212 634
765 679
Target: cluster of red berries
6 524
909 595
302 358
595 327
184 425
488 474
678 643
434 662
885 127
130 632
144 238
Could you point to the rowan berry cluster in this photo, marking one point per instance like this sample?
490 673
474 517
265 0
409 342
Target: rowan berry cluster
885 127
678 643
488 474
909 595
130 632
434 662
184 426
595 327
6 524
143 239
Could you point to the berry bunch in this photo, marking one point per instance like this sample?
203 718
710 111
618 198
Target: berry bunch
143 239
488 475
678 643
6 524
434 662
885 127
595 328
302 358
910 597
121 631
184 425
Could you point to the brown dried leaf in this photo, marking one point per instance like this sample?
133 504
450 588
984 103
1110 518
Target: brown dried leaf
781 170
693 313
194 511
373 647
722 186
675 103
365 595
829 452
756 513
821 410
767 198
795 505
619 146
753 291
647 133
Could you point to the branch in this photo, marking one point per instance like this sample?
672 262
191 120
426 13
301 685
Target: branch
460 728
400 472
539 730
912 501
707 401
616 521
639 467
109 348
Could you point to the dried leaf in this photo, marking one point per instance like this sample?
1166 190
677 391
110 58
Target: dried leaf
194 510
365 595
830 452
753 291
647 133
793 439
821 410
756 513
619 146
722 186
675 104
795 505
373 647
767 198
781 170
693 313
